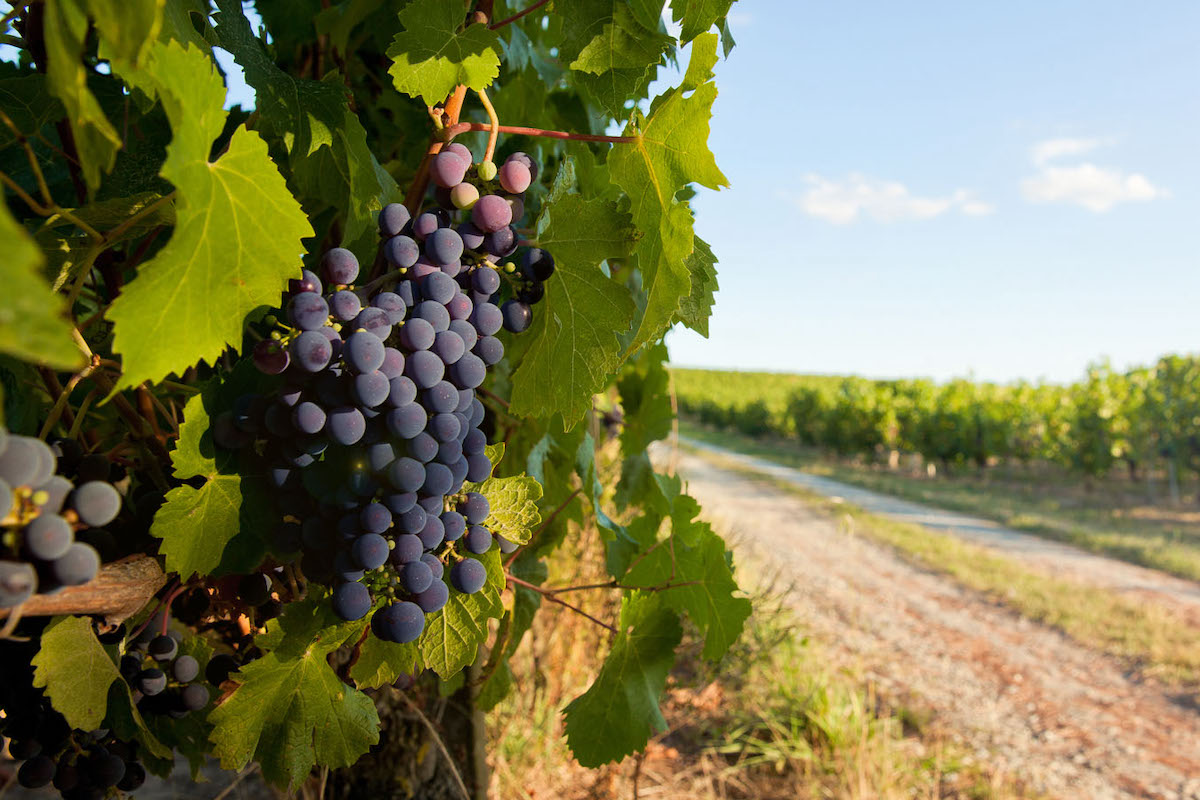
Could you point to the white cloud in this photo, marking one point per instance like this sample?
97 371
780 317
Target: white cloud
843 201
1051 149
1095 188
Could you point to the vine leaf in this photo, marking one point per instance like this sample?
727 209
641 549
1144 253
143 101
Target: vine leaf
291 710
431 56
697 16
380 663
612 53
33 323
619 712
513 506
452 636
573 345
77 674
696 308
163 319
645 393
670 151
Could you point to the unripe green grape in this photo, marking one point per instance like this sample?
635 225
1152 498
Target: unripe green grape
487 170
464 195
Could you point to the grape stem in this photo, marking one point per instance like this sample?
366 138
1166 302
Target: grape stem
494 131
416 191
451 131
518 15
545 523
549 595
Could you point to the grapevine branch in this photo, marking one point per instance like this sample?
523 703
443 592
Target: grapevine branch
118 592
549 595
451 131
518 15
546 522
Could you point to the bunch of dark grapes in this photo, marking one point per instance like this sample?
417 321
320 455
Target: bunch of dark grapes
375 430
81 765
50 521
163 680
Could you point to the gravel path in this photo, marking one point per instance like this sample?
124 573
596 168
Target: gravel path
1039 706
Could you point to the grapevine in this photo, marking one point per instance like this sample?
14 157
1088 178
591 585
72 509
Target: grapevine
301 403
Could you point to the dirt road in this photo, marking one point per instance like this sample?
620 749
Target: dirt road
1061 717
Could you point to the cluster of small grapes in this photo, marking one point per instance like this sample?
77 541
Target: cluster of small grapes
375 430
165 685
48 519
81 765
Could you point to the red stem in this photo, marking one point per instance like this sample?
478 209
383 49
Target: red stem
519 14
463 127
554 599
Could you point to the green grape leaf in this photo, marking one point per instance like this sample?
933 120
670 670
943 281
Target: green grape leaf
696 308
291 711
614 56
380 663
28 105
573 343
646 401
33 322
622 44
697 16
163 319
78 673
65 26
452 636
431 55
670 152
710 596
619 711
177 24
197 525
126 27
513 506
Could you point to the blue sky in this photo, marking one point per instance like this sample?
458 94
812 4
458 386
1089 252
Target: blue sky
943 189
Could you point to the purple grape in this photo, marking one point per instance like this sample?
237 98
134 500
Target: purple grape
375 518
364 352
514 176
435 314
444 427
400 622
449 452
476 413
517 315
413 520
402 391
380 456
371 388
401 251
478 539
370 550
423 447
393 363
475 442
425 368
400 503
462 151
489 349
407 474
351 601
308 311
340 266
491 213
459 307
346 425
406 422
18 581
529 163
416 334
468 372
439 287
416 577
479 467
466 331
307 282
441 398
471 236
501 243
468 576
408 549
537 264
474 508
532 292
344 305
271 357
308 417
447 169
449 347
375 321
438 480
392 219
435 566
485 280
487 319
77 566
465 396
96 502
311 351
434 598
393 304
424 225
444 246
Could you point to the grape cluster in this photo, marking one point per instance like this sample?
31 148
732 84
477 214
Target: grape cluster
374 431
50 521
163 680
82 765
